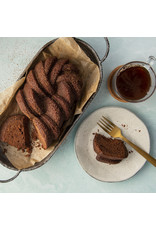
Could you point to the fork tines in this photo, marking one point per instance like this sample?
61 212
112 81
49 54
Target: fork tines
105 124
109 121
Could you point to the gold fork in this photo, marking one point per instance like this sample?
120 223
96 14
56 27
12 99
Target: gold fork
114 131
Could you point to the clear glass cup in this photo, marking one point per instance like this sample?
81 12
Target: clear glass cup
147 66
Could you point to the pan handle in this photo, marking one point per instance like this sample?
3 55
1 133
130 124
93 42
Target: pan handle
12 178
107 50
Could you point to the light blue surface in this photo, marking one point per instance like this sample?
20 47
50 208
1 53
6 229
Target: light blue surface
63 172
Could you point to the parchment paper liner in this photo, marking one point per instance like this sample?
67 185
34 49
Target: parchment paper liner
61 48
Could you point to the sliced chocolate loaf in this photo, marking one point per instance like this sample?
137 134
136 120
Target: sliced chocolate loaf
108 148
105 160
64 90
64 105
57 69
52 126
74 80
43 80
54 111
49 63
49 96
33 100
20 98
70 68
43 132
15 131
32 81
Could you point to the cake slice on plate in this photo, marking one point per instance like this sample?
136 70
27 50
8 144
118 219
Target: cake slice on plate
109 150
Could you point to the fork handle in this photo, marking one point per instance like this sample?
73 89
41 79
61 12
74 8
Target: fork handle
142 152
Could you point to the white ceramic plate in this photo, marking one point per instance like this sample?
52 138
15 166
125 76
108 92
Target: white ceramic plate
132 127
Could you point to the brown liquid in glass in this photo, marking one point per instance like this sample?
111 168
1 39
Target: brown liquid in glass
134 83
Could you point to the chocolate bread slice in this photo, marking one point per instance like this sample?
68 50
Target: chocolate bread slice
31 80
64 105
64 90
74 80
70 68
111 149
53 128
43 132
54 111
49 63
15 131
42 79
33 100
57 69
23 105
108 161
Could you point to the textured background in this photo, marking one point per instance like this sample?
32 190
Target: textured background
63 172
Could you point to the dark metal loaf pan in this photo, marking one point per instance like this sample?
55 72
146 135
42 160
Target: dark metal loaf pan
91 53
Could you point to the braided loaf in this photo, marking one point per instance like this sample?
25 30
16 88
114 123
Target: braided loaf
49 96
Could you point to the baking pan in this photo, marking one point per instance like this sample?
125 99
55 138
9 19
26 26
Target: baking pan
91 53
